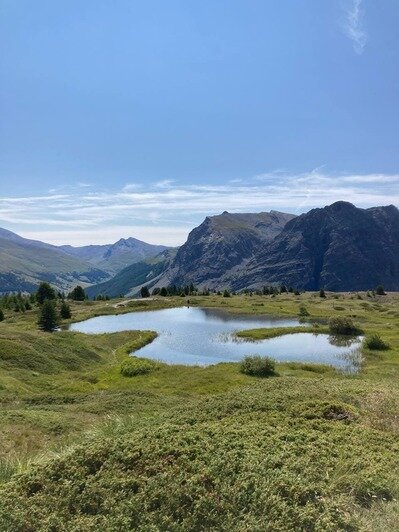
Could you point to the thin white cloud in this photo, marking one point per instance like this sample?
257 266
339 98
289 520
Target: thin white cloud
353 25
164 183
165 215
131 186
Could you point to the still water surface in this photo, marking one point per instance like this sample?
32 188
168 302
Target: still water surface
199 336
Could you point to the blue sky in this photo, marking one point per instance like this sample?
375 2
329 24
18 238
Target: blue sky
132 118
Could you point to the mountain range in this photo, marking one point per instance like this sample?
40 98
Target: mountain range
112 258
337 247
24 263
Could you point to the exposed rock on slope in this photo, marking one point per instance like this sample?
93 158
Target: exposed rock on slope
221 244
338 247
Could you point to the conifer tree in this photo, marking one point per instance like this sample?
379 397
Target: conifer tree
48 317
145 292
65 311
77 294
45 291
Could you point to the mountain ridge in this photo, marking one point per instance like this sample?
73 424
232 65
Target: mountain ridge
337 247
220 244
24 263
112 258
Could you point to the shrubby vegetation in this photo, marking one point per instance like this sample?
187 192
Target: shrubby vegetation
174 290
303 311
375 342
132 366
205 448
187 290
50 304
258 366
343 325
253 459
102 297
17 302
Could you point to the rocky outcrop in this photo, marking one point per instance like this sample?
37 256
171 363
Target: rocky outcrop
338 247
222 244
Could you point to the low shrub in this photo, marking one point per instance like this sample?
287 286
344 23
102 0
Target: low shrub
258 366
380 291
303 311
375 342
343 325
131 367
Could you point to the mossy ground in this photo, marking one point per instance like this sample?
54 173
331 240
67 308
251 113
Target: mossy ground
191 448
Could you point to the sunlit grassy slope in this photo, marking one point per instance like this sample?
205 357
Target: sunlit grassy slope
190 448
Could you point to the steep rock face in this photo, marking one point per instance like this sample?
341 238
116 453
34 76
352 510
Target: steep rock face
338 247
221 244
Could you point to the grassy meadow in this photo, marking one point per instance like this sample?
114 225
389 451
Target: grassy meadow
85 447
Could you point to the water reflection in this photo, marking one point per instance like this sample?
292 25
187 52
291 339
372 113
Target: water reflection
343 341
198 336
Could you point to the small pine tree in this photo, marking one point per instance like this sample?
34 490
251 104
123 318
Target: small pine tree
322 293
226 293
65 311
77 294
1 315
163 292
380 291
145 292
45 291
48 317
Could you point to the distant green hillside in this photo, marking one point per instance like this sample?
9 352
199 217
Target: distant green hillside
25 263
128 279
